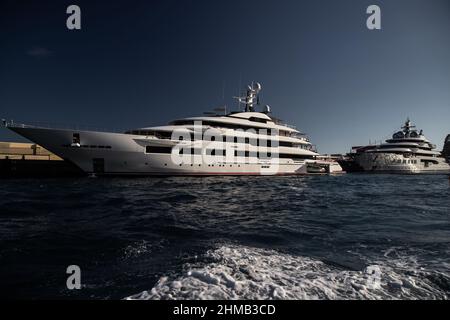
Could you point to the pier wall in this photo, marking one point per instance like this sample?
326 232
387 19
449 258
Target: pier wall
31 160
27 151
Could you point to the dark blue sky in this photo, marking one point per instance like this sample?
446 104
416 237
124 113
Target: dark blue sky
141 63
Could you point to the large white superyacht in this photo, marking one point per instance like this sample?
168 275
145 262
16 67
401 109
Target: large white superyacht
409 151
246 142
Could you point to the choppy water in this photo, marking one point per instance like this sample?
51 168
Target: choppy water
314 237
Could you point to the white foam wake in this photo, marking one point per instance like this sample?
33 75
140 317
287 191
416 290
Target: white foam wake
250 273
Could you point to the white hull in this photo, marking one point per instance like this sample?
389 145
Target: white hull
397 163
237 143
126 156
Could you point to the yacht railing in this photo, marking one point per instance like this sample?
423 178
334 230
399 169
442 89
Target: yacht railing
286 125
282 123
58 126
289 126
313 148
300 136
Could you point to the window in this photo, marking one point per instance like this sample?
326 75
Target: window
247 154
216 152
264 155
181 136
255 119
190 151
151 149
295 156
254 142
285 144
163 134
76 138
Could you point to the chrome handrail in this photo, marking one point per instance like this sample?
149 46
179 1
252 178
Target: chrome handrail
61 126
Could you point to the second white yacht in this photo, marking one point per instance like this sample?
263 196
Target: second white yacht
409 151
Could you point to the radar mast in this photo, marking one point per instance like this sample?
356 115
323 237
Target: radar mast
251 99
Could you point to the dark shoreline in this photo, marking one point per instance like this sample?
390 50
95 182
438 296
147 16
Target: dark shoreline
21 168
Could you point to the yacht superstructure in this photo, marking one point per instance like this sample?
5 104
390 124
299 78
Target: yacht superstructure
409 151
238 143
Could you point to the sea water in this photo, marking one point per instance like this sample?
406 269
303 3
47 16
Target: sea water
354 236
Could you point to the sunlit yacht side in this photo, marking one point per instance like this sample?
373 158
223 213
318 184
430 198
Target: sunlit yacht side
238 143
409 151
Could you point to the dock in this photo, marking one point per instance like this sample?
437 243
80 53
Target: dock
32 160
25 151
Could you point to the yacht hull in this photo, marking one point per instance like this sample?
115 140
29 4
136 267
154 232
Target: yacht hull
106 153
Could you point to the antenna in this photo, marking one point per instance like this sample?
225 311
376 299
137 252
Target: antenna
223 90
251 97
239 90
